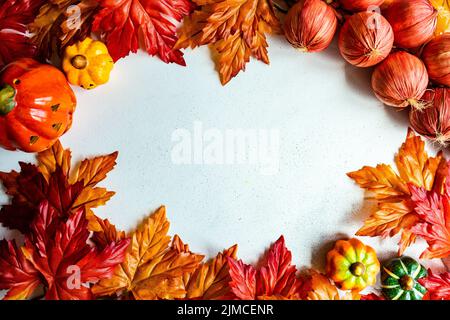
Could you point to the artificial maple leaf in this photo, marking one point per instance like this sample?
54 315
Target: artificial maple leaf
443 17
58 249
395 211
152 269
211 279
438 285
51 181
61 23
372 296
106 234
236 29
434 226
15 15
276 278
125 25
17 274
316 286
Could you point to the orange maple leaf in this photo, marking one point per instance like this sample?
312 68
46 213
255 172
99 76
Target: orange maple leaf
152 269
395 211
211 279
236 30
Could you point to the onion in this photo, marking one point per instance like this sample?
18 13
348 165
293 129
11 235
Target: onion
436 56
360 5
434 121
400 80
413 21
366 39
310 25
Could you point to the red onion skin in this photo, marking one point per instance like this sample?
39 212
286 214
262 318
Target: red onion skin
366 39
400 80
436 56
310 25
360 5
413 21
434 121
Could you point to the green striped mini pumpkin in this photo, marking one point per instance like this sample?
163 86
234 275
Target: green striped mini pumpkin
399 279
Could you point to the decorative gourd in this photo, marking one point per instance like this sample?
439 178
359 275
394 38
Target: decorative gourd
36 106
399 279
352 265
87 63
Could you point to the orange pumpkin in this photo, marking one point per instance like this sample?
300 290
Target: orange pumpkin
36 106
352 265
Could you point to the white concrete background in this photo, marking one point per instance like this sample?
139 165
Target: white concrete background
329 121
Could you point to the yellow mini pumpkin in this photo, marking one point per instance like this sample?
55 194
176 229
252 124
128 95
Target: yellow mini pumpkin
352 265
87 63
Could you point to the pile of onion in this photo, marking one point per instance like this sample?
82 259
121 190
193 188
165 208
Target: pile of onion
405 77
434 121
413 21
310 25
366 39
400 80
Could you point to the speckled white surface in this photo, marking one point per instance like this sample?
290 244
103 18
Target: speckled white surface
329 124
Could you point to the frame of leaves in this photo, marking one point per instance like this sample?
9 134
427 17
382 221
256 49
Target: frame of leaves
70 253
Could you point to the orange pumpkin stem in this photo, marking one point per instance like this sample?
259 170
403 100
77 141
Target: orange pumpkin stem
7 101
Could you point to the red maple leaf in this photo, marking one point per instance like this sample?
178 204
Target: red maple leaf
371 296
29 188
276 279
17 274
15 15
59 250
438 285
126 25
433 210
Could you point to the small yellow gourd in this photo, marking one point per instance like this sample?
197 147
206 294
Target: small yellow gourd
87 63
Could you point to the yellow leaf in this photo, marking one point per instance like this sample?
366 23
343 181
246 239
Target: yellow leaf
92 198
443 21
413 162
49 159
394 212
92 171
151 269
235 29
382 182
211 280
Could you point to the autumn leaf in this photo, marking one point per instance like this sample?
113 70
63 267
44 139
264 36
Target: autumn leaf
443 18
434 226
438 285
236 31
93 171
211 279
15 15
61 23
372 296
316 286
51 181
17 274
152 269
395 211
126 25
59 250
276 278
